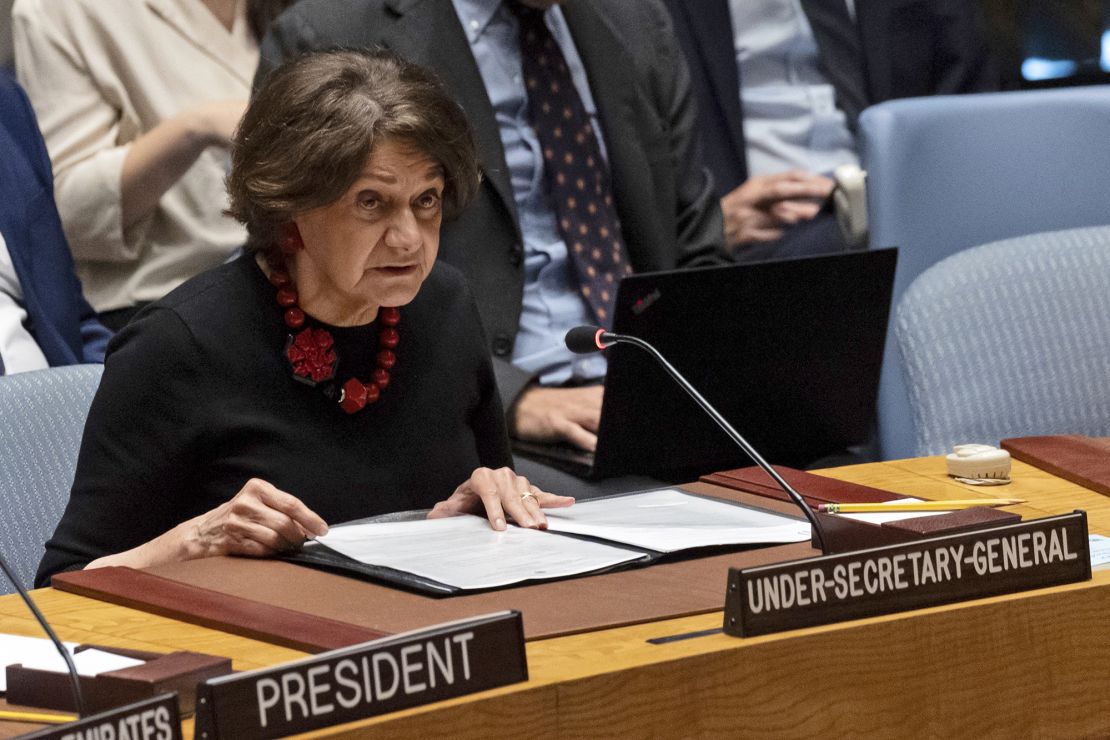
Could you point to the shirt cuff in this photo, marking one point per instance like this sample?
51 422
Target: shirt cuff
89 201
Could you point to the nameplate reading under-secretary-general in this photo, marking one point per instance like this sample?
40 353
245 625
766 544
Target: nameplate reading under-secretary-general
894 578
365 680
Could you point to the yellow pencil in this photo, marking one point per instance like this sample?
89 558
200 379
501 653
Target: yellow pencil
893 506
36 717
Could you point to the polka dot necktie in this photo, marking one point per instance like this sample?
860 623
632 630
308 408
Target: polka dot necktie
575 171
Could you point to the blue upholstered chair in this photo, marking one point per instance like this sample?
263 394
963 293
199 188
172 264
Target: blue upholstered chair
1009 339
947 173
42 415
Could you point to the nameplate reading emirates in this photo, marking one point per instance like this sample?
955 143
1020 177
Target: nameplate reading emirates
365 680
150 719
894 578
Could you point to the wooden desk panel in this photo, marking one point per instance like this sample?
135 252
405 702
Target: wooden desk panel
1030 664
925 477
998 668
86 620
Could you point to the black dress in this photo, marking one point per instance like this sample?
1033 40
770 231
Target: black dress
197 398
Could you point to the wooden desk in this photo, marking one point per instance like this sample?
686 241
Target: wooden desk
1031 664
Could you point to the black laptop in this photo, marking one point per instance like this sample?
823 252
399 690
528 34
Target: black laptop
788 351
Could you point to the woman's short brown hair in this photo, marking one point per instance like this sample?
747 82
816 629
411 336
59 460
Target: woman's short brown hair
310 129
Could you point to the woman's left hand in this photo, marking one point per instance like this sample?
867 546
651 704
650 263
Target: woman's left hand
501 492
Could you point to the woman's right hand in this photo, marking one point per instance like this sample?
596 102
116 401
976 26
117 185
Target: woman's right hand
260 520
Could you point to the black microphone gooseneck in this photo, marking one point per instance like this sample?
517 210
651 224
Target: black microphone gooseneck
586 339
78 698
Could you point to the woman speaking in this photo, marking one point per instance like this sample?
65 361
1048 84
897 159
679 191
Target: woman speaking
334 372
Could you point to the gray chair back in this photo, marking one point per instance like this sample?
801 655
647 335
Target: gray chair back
946 173
1009 339
42 416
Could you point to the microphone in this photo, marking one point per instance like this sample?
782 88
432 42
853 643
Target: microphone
583 340
586 339
75 681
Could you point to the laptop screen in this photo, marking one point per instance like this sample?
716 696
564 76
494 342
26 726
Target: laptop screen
789 352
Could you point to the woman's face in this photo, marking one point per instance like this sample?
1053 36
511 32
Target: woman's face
375 245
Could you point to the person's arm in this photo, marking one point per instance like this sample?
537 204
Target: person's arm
540 414
259 521
159 158
135 498
106 188
570 415
94 335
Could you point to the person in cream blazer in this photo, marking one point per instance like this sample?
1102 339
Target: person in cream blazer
137 100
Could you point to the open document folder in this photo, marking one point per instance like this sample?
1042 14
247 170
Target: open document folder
465 553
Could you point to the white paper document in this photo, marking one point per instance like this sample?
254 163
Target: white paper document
40 653
464 551
670 520
88 662
1100 550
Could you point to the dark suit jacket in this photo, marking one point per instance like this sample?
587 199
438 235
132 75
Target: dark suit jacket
909 48
664 197
60 320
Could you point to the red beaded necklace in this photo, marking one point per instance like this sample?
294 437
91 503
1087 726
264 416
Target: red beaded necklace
311 354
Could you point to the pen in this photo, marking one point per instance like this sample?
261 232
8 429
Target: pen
36 717
894 506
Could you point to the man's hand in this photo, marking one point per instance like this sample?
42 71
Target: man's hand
559 415
761 208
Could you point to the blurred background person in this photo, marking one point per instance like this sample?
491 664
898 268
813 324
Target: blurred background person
44 319
333 372
780 85
137 101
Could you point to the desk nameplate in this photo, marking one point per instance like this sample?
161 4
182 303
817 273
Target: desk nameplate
360 681
883 580
151 718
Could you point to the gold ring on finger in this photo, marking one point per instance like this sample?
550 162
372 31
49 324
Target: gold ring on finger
527 495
